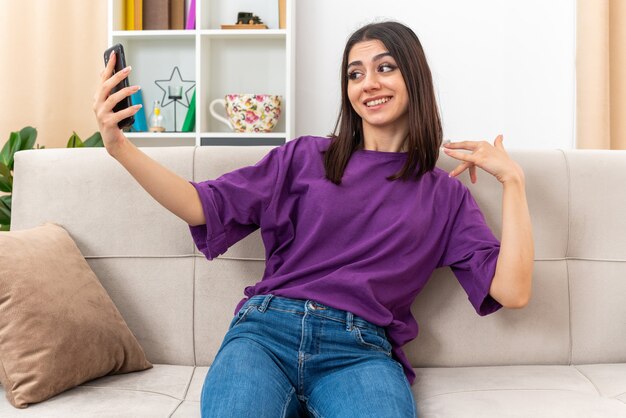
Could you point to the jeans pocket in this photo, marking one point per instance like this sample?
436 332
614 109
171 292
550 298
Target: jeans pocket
371 339
241 315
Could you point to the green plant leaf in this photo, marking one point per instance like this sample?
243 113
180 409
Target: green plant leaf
75 141
5 213
6 179
6 184
10 148
4 170
94 140
29 136
7 199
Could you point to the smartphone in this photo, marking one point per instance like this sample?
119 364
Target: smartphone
120 64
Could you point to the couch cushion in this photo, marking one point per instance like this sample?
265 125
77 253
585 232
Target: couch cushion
117 217
58 326
219 286
598 314
597 202
191 406
589 391
451 334
521 391
155 297
153 393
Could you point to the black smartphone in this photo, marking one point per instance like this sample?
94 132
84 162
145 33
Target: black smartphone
120 64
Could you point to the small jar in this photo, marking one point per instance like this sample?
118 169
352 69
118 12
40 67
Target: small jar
155 123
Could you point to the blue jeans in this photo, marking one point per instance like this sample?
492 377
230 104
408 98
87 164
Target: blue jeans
285 357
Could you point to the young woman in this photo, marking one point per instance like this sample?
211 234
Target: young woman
353 227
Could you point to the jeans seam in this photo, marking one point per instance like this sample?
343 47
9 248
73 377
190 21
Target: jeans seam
243 315
301 355
313 411
287 401
269 308
361 341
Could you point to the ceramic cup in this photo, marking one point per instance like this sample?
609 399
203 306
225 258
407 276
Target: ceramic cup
249 112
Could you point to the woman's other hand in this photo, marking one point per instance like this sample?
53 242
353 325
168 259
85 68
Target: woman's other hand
104 101
491 158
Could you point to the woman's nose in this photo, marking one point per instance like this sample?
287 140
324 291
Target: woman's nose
371 82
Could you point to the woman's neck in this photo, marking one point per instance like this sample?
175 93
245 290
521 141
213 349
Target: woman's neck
384 139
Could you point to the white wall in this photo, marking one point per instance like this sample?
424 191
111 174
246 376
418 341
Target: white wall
498 66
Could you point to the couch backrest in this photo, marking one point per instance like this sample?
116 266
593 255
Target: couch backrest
179 305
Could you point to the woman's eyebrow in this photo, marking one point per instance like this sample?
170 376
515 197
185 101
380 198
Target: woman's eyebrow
376 58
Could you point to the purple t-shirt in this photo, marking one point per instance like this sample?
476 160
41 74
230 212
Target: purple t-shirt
368 245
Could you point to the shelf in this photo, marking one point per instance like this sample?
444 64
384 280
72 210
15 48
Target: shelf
153 135
150 139
232 140
166 139
244 33
236 135
154 34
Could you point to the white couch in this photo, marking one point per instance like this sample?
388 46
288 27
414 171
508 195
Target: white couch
564 355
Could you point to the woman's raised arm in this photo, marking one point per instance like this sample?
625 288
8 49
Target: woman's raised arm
172 191
512 283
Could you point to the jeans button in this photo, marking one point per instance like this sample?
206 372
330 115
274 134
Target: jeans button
312 306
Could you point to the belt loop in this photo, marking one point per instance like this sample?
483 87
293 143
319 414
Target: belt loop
349 320
266 302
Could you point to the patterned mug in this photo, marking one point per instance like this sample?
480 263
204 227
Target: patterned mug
249 112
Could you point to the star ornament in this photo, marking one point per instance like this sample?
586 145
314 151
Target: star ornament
175 80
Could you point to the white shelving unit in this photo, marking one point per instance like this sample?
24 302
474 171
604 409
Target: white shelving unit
220 61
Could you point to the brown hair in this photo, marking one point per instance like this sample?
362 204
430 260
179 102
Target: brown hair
425 132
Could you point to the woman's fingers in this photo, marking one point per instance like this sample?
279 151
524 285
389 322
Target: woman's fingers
457 155
110 120
104 92
101 93
117 97
460 168
108 69
472 171
468 145
123 114
498 142
482 154
112 81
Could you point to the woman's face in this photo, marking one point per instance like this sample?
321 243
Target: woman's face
376 88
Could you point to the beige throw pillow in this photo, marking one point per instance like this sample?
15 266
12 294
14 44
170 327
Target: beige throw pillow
58 326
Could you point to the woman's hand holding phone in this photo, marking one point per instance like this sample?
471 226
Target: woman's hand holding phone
104 102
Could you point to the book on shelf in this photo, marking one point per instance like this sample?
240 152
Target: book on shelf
129 14
282 14
190 119
156 14
177 14
140 124
134 14
191 16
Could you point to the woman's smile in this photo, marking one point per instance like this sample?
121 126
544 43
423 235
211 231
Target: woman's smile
376 103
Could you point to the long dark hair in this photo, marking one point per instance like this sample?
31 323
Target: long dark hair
425 132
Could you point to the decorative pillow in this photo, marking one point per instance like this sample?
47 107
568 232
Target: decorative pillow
58 326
